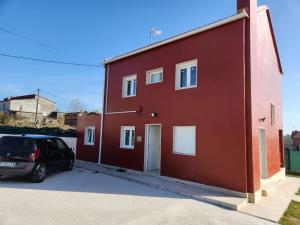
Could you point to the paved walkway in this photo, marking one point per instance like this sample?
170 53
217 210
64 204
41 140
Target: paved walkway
84 197
273 206
172 185
270 208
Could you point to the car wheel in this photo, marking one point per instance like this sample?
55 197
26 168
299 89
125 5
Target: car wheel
70 165
39 173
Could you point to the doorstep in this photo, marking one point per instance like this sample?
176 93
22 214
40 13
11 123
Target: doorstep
273 205
187 189
268 186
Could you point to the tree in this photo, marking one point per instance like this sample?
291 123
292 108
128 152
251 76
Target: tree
77 106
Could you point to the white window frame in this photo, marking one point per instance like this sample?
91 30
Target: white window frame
150 73
131 139
86 137
186 65
195 144
273 114
124 88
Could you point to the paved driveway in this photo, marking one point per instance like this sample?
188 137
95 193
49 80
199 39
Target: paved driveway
80 197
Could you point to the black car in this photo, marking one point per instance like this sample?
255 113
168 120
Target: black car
33 156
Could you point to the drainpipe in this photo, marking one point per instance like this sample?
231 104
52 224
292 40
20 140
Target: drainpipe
103 112
250 38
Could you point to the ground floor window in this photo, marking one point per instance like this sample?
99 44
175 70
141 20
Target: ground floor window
184 140
127 137
89 136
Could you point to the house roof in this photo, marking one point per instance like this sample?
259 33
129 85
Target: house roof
210 26
295 134
23 97
274 41
242 14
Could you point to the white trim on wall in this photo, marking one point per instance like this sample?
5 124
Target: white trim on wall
123 112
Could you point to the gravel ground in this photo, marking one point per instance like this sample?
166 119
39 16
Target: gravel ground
84 198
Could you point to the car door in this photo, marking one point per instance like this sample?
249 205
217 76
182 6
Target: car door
54 155
64 150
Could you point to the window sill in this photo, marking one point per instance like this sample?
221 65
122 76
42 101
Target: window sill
89 144
154 83
184 88
131 96
126 147
177 153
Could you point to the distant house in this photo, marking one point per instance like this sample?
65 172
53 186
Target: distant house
288 141
296 138
71 118
88 137
25 106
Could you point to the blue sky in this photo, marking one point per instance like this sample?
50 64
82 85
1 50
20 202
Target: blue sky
90 31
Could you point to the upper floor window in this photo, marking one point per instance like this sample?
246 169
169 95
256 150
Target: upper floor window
129 86
89 136
272 114
186 75
155 76
127 137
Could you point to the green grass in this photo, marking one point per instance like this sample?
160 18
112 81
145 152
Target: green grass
298 193
291 215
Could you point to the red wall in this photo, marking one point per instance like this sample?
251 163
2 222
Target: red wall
216 107
265 89
87 152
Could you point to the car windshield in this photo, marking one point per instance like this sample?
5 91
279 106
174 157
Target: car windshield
16 146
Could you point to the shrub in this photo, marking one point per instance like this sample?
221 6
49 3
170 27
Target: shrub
4 119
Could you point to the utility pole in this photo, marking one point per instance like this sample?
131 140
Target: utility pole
37 106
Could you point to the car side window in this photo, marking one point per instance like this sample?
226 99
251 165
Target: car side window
42 145
51 145
61 145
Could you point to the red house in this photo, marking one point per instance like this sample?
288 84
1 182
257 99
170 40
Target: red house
88 137
203 106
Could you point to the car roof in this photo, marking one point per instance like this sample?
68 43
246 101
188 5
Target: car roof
33 136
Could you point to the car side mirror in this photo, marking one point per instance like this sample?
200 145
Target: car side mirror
73 149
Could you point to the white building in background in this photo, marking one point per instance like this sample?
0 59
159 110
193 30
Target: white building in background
25 106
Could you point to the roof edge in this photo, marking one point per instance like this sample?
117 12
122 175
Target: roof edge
267 10
274 41
219 23
26 97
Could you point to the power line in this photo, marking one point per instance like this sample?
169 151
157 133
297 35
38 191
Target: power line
49 61
28 39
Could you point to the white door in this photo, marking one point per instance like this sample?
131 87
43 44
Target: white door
263 153
153 147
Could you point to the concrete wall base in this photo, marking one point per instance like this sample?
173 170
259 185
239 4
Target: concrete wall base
203 186
267 186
